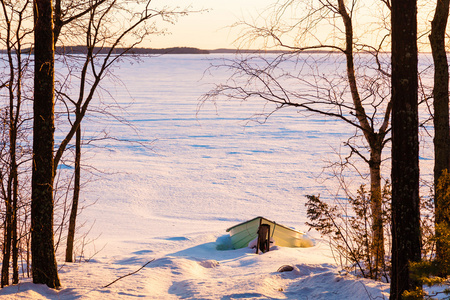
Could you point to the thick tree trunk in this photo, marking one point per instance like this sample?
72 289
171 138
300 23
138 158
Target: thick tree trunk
441 116
76 196
405 146
42 245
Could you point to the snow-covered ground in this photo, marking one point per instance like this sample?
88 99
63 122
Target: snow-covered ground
203 171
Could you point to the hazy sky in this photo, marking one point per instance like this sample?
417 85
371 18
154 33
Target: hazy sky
212 29
208 30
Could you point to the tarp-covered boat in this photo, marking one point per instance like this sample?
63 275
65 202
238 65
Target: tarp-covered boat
242 234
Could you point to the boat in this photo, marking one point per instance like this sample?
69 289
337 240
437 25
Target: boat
244 233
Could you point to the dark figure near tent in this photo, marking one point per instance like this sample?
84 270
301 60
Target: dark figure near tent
263 238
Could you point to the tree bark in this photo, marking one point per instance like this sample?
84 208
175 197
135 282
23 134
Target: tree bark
42 245
441 116
406 244
376 205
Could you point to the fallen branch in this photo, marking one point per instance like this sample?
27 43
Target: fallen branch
129 274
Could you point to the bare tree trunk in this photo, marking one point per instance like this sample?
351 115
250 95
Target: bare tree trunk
42 245
76 196
14 196
406 244
441 117
376 146
6 251
14 164
15 240
378 251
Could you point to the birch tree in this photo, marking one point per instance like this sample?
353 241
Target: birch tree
102 43
358 96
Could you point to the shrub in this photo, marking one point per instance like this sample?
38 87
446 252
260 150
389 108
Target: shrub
348 226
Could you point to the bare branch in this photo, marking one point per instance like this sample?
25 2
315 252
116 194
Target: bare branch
109 284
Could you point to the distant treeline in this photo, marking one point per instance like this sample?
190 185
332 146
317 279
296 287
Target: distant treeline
150 51
105 50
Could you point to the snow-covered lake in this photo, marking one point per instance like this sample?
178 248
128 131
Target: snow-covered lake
203 170
209 166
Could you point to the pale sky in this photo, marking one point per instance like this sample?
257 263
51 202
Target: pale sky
212 30
208 30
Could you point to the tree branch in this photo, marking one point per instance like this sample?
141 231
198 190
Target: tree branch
109 284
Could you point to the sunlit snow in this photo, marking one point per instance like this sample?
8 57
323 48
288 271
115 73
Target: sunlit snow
201 170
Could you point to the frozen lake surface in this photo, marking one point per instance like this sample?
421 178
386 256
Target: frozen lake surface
210 164
188 172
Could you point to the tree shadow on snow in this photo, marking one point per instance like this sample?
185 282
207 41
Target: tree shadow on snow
247 296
